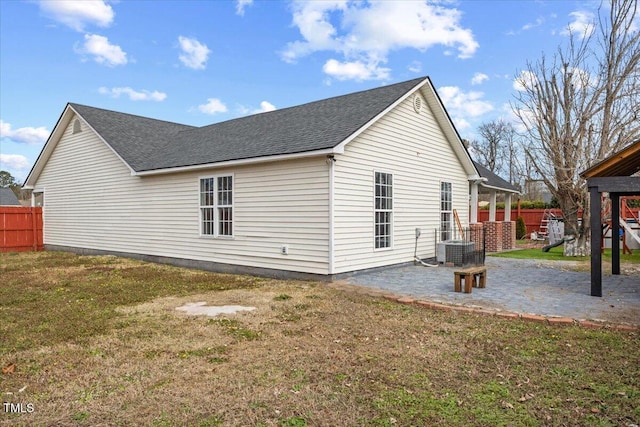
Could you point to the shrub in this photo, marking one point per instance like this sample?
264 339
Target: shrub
521 228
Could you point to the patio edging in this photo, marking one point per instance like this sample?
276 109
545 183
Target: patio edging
550 320
529 317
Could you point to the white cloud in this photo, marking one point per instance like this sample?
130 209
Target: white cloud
479 78
77 14
525 80
265 106
15 161
582 25
581 78
460 123
463 105
26 135
134 95
241 4
365 32
194 54
415 67
355 70
530 25
102 51
213 106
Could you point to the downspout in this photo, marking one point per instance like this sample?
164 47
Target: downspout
331 161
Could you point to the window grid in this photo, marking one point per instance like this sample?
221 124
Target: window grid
383 212
446 211
216 206
225 211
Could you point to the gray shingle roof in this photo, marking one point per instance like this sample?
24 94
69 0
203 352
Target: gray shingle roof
138 140
8 198
494 180
148 144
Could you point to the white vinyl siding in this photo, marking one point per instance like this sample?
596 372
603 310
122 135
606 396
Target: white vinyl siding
93 202
413 148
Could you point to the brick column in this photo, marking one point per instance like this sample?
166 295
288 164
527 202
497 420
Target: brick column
493 236
508 235
476 235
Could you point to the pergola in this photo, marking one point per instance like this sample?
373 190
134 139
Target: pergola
612 175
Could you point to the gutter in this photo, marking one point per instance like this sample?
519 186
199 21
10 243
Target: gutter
240 162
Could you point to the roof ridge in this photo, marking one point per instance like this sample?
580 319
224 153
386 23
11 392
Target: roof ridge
75 104
350 94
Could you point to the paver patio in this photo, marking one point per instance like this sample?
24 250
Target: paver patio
545 288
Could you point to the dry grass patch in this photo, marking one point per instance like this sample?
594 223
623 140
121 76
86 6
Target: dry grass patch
308 355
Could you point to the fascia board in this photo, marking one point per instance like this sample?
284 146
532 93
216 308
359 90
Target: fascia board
241 162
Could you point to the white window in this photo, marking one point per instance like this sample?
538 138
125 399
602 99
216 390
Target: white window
383 211
216 206
446 211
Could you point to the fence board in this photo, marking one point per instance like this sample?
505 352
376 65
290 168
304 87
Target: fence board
20 229
533 217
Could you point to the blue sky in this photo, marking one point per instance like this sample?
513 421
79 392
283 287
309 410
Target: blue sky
202 62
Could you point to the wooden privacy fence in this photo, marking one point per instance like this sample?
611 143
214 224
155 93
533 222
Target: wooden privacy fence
532 217
20 229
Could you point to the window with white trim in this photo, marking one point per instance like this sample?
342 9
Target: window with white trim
383 211
216 206
446 211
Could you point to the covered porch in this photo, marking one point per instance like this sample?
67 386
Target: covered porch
498 235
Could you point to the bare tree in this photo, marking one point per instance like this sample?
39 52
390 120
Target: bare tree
498 150
579 106
489 149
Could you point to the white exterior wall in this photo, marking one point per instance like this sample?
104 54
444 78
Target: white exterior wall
414 149
92 201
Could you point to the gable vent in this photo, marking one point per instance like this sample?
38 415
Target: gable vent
417 103
77 126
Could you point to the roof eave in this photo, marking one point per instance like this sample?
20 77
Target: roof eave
448 127
52 142
504 190
442 117
603 166
239 162
340 147
46 151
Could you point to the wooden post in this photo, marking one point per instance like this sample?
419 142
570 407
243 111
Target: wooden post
492 206
507 207
615 233
34 228
473 207
596 242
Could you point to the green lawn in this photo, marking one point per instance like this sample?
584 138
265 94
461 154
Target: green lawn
91 340
555 254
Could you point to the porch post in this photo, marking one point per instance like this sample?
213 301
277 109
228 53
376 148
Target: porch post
492 206
473 208
596 242
507 207
615 233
